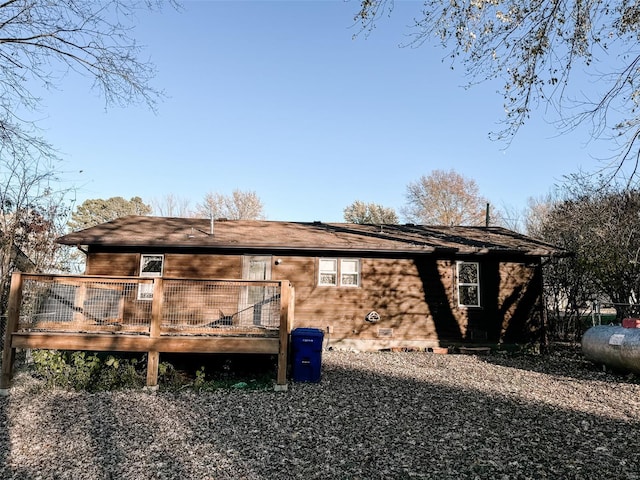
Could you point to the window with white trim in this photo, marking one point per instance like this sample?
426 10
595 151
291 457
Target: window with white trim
150 266
339 272
468 276
328 271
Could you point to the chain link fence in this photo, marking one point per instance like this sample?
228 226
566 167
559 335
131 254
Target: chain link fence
570 325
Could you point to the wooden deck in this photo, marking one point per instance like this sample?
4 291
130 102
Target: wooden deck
97 313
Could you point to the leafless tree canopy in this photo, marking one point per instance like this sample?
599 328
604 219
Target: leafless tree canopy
445 198
237 206
172 206
537 213
598 221
41 42
32 215
536 48
370 213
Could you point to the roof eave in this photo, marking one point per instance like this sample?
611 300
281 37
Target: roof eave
418 249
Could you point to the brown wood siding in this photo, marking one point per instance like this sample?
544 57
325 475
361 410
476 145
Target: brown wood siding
393 288
126 264
416 298
511 303
520 299
175 265
181 265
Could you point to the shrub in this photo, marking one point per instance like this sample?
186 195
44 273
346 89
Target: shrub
92 372
87 371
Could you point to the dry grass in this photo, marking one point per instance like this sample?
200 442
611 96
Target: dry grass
382 415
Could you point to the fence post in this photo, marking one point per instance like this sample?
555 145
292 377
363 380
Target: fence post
13 315
153 356
286 319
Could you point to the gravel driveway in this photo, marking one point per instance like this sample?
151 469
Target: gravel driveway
374 415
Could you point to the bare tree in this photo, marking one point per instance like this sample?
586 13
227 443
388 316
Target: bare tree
172 206
32 215
509 217
445 198
370 213
237 206
539 49
537 213
42 42
598 222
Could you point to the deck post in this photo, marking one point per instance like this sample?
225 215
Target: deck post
286 317
13 313
78 303
153 356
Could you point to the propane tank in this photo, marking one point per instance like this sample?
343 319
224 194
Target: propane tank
613 346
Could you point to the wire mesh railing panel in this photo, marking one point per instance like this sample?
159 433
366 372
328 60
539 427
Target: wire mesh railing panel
117 304
46 302
124 304
262 308
199 306
76 304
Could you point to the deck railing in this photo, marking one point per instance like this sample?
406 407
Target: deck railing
124 304
81 312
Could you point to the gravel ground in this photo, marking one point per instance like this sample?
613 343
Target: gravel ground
374 415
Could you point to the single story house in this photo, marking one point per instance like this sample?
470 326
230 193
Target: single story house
367 287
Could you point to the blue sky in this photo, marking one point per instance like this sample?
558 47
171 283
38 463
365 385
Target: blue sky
278 98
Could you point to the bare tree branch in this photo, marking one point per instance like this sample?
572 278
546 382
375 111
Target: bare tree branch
41 42
237 206
536 48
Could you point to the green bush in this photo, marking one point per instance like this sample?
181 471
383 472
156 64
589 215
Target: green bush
87 371
201 380
93 372
230 380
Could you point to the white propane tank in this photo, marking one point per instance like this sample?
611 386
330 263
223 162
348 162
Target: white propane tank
613 346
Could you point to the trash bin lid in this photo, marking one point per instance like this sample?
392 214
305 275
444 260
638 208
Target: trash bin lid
307 332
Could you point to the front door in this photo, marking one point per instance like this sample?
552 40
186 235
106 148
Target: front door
253 298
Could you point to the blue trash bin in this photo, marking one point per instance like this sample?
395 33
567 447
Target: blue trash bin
306 346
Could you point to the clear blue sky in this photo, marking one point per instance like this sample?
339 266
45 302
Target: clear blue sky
278 98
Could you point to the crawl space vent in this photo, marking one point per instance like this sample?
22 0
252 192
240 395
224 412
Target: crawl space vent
385 332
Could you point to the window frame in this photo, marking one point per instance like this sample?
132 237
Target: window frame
145 290
338 272
460 285
322 272
342 273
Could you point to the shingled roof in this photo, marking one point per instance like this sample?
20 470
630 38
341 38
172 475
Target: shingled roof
246 235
